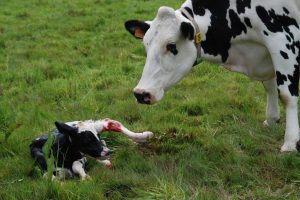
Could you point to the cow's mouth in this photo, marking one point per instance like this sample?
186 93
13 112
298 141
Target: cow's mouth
148 97
144 97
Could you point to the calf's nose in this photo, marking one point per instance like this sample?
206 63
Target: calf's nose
142 96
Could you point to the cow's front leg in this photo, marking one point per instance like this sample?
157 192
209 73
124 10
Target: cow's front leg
272 110
78 168
286 63
112 125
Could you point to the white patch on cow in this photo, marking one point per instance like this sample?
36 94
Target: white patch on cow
246 62
204 22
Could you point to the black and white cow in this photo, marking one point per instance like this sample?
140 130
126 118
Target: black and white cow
73 140
259 38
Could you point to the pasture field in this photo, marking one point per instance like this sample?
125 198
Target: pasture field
71 60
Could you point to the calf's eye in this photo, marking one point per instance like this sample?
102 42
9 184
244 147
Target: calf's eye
172 48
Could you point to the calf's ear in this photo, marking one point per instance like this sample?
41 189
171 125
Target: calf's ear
66 129
187 30
137 28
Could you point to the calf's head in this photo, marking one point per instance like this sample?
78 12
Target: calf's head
171 53
83 138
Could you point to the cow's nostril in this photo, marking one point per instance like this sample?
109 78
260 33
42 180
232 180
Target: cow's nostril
143 98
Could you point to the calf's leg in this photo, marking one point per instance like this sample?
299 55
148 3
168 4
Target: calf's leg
78 168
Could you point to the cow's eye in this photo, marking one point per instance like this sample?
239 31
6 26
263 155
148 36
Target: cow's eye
172 48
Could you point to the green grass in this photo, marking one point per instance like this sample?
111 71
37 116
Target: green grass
72 60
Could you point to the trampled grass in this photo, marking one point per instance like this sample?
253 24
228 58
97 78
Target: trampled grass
72 60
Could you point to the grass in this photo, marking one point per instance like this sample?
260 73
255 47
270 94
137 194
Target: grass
71 60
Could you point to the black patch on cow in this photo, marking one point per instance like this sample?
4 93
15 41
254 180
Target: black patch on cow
294 46
284 55
248 22
172 48
187 30
198 8
297 44
236 22
266 33
286 10
291 47
281 78
294 79
275 22
242 5
219 34
189 11
288 38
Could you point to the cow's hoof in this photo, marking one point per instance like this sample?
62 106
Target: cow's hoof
298 146
268 123
288 147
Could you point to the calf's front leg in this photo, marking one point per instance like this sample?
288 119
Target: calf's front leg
78 168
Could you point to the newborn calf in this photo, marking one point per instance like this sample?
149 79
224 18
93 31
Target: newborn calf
73 140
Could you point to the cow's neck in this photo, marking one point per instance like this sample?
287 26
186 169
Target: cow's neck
216 32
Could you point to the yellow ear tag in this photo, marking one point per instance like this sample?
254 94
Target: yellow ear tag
198 38
139 33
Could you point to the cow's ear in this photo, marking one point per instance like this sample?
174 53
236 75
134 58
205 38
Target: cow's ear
187 30
66 129
137 28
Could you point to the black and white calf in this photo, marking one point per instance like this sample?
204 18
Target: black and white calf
259 38
73 140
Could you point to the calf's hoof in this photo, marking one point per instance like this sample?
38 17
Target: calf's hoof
142 137
85 178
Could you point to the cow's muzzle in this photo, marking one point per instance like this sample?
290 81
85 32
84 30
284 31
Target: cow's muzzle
143 97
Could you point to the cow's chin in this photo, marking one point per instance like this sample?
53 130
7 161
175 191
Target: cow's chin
157 97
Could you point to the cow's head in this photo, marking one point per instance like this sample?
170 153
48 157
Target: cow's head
84 138
171 52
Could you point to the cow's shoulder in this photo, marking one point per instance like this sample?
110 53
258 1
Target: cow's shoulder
225 24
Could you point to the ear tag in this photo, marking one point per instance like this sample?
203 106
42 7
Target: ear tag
198 38
139 33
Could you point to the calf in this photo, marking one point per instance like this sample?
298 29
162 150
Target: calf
73 140
260 39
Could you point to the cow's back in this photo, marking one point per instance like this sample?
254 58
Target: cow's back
264 15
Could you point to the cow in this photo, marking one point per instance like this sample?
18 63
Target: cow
72 141
259 38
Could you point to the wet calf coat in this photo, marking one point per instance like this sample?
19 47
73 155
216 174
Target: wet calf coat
259 38
68 148
73 140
